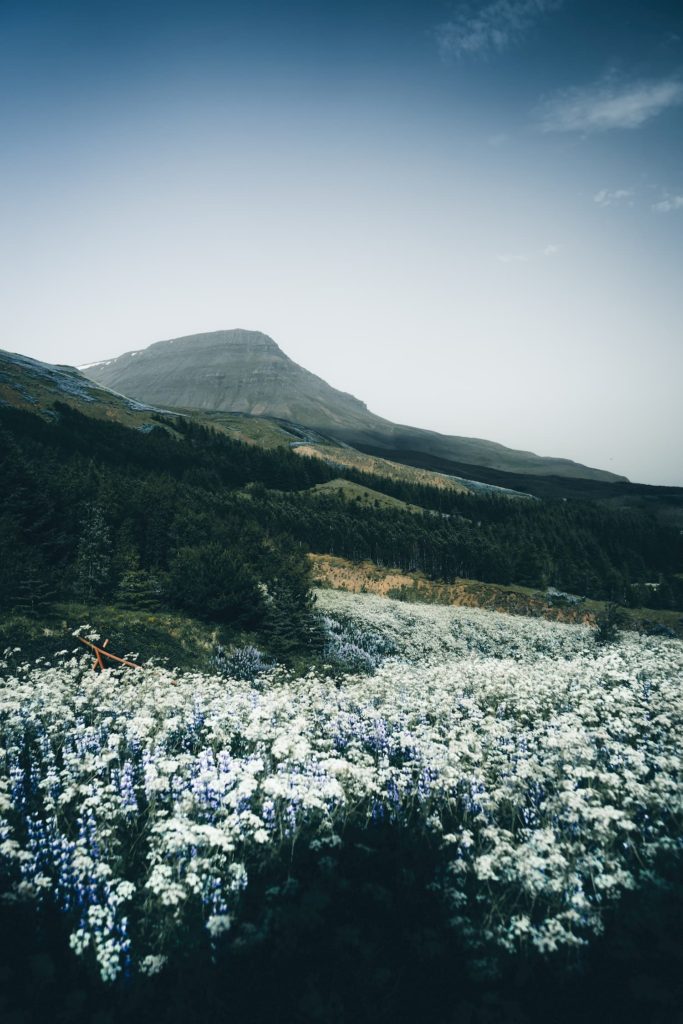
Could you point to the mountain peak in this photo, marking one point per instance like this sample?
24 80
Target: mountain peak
247 372
230 371
199 345
233 336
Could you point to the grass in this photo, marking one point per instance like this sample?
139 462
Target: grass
29 391
515 599
242 427
349 458
365 495
186 643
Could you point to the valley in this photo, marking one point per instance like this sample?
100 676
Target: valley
360 680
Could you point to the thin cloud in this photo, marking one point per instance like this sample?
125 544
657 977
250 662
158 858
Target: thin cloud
668 205
617 197
610 104
526 257
476 31
512 257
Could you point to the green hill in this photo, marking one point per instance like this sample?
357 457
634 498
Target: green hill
350 491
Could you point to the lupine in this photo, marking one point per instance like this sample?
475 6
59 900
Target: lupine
547 773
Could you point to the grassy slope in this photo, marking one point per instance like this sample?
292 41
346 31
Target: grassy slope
186 643
32 387
349 458
365 495
242 427
664 503
514 599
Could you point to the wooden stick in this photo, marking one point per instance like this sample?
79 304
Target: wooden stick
100 653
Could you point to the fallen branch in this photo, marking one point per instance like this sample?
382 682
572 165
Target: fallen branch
101 653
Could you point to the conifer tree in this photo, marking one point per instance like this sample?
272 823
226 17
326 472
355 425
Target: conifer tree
34 590
94 555
138 589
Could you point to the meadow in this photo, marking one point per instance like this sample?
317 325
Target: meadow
154 812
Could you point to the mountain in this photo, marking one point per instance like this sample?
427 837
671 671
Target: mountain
231 371
66 442
43 389
34 386
247 372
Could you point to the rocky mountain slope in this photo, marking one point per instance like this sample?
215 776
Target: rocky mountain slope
29 385
34 386
246 371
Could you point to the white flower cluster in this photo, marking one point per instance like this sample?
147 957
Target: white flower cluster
545 770
437 632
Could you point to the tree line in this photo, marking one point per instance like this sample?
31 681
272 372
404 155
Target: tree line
183 517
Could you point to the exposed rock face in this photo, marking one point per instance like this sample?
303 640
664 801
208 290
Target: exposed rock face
245 371
232 371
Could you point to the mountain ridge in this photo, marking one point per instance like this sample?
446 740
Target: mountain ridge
246 371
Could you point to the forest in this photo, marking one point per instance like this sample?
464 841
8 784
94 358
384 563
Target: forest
182 517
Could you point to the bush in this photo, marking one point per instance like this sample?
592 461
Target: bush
352 648
610 623
241 663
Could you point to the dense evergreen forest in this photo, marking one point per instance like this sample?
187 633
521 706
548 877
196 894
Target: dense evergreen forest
183 517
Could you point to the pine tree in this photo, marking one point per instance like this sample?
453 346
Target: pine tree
214 583
290 623
138 589
34 591
94 555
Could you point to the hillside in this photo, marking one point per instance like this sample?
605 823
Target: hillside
664 503
349 491
163 514
247 372
34 386
349 458
512 599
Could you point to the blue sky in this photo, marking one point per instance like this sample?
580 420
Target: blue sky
469 215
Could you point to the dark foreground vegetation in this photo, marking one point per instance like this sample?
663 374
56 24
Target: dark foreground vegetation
358 939
183 518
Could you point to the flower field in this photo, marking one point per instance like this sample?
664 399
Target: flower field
542 771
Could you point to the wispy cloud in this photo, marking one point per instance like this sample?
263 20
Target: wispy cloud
609 104
617 197
512 257
627 197
668 205
477 31
526 257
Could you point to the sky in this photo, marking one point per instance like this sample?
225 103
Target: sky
469 215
